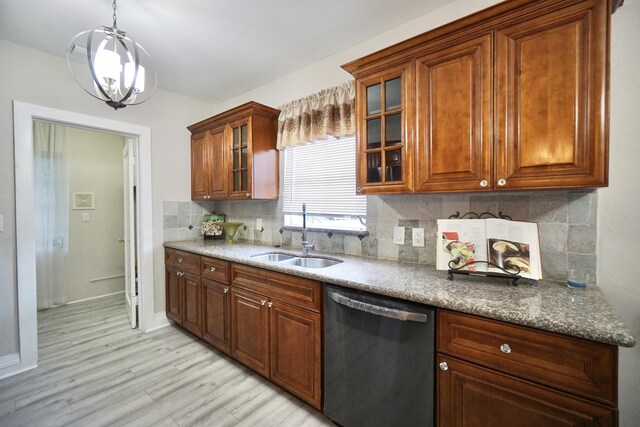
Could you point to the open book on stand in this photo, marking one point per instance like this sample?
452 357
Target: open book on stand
512 245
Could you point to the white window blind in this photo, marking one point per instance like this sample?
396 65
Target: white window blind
323 175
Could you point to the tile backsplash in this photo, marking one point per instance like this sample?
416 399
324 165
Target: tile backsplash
567 222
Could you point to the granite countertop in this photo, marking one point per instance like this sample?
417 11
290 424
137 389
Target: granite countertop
545 305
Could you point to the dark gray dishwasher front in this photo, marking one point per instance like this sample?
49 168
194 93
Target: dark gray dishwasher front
378 360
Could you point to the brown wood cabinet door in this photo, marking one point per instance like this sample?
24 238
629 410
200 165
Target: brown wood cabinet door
250 330
384 143
472 396
454 117
552 100
216 305
238 142
296 351
192 314
200 160
173 295
217 166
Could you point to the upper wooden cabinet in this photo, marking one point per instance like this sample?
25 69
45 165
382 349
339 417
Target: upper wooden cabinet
234 155
512 97
384 142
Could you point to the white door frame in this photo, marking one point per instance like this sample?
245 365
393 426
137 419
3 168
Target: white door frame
23 116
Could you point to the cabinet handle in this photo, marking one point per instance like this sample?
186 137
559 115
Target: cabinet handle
505 348
484 183
263 302
213 269
248 195
270 304
226 290
502 182
180 260
444 366
177 273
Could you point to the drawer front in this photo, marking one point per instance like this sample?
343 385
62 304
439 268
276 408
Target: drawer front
280 287
183 261
215 269
575 365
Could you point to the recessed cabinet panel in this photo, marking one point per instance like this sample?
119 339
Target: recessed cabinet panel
216 305
250 330
454 117
551 99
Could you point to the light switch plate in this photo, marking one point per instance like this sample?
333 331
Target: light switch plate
398 235
417 235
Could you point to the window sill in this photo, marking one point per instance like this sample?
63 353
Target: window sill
359 233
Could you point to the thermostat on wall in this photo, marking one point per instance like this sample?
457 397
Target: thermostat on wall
83 201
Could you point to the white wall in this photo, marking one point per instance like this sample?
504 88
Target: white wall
619 204
95 165
38 78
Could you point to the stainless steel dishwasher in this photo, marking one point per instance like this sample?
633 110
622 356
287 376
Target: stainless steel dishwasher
378 360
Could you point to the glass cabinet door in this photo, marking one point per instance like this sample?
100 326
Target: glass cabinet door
239 146
383 115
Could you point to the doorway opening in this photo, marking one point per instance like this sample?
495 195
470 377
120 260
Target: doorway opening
81 214
24 116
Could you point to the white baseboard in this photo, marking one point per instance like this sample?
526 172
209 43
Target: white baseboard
11 365
160 320
98 297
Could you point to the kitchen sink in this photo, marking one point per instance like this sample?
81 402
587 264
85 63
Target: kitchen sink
275 257
312 262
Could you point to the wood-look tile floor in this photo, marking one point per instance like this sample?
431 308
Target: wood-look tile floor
94 370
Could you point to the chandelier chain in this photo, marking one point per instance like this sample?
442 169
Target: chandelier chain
115 19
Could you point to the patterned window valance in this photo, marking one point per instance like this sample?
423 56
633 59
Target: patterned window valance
328 113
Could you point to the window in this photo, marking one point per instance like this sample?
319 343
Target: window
323 175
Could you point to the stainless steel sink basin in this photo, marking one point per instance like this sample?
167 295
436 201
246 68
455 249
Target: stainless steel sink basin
275 257
312 262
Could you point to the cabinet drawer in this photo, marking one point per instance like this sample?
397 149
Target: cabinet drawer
183 260
281 287
215 269
579 366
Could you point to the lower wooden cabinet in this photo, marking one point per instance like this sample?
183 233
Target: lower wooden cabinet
271 322
469 395
250 330
492 373
216 314
296 353
276 329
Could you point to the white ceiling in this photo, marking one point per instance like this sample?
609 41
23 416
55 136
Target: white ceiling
214 50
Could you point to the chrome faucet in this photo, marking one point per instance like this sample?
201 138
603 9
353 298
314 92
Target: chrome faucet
306 246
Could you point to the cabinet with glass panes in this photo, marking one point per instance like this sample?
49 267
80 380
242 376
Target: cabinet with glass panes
384 144
249 154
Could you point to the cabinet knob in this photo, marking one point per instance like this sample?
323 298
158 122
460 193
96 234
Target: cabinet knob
270 304
263 302
358 189
248 195
484 183
505 348
180 259
177 273
502 182
444 366
226 290
213 269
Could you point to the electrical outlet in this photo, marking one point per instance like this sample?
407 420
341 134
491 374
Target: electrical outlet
398 235
259 224
417 235
86 217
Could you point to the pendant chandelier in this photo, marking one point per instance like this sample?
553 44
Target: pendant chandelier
119 68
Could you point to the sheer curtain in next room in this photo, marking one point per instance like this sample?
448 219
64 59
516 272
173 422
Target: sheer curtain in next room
51 185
